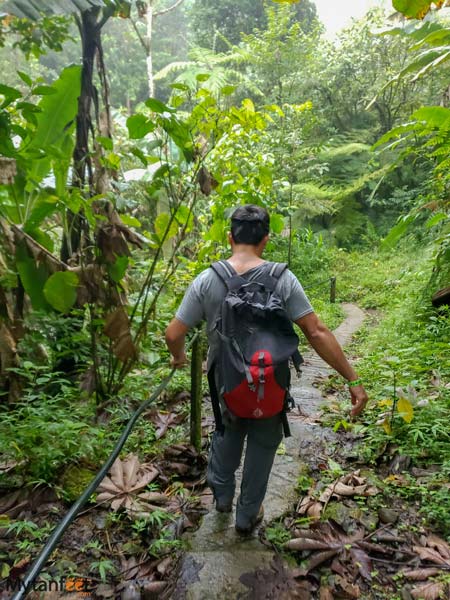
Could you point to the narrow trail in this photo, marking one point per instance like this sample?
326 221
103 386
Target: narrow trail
217 556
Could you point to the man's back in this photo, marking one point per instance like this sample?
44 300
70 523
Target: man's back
203 299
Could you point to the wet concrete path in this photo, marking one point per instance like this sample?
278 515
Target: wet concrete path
217 556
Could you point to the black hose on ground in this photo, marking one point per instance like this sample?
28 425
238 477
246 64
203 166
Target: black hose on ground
26 585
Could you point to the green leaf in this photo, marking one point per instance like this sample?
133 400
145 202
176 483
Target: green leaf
405 409
180 86
32 277
158 107
118 269
276 223
161 172
185 217
434 117
105 142
216 233
60 290
387 426
435 219
180 134
397 231
138 126
25 78
43 207
43 238
56 120
161 225
4 571
137 152
227 90
44 90
413 9
10 94
201 77
130 220
248 105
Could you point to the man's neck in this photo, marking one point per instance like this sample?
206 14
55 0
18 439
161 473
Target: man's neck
246 252
245 257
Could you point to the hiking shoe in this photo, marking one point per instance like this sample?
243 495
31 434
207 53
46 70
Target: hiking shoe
224 507
248 530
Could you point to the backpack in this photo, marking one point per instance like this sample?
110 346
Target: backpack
256 342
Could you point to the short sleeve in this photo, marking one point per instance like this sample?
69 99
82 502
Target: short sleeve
191 310
296 302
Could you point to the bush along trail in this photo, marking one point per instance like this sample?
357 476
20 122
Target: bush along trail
371 518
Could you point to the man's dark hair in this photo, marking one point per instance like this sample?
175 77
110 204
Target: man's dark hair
249 224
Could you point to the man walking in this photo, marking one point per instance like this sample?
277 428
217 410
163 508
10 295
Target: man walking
202 301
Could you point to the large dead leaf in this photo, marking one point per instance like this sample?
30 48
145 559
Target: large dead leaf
127 477
113 237
164 420
117 328
329 540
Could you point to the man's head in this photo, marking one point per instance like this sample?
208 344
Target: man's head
250 225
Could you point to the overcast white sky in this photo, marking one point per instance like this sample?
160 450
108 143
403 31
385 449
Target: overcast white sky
336 14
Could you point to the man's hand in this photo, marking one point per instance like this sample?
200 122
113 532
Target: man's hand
359 399
179 361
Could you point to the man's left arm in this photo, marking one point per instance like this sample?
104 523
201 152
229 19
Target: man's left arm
329 349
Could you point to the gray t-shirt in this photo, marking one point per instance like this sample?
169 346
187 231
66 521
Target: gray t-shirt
204 297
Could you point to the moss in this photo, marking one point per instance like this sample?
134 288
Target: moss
75 480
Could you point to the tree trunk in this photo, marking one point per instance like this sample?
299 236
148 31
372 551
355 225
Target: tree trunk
149 49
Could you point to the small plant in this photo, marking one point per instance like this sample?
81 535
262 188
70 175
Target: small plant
103 567
304 483
277 534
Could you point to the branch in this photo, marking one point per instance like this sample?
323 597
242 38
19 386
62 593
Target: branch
167 10
141 39
107 13
59 263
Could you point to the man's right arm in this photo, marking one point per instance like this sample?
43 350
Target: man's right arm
175 339
189 314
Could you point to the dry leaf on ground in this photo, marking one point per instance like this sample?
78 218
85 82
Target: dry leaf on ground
328 540
127 477
435 590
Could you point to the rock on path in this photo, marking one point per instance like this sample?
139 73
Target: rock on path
217 556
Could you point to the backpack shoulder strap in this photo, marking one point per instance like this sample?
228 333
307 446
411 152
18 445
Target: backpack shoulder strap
227 274
272 274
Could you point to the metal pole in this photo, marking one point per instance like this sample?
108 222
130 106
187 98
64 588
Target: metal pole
196 394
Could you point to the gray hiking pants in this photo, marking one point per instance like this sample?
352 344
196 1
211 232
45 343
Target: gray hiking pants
263 437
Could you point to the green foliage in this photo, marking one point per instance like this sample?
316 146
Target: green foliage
35 37
47 431
208 17
417 402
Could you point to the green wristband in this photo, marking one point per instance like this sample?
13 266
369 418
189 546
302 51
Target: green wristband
354 383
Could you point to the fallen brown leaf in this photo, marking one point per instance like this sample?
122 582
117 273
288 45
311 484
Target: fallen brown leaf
420 574
429 591
431 555
127 477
